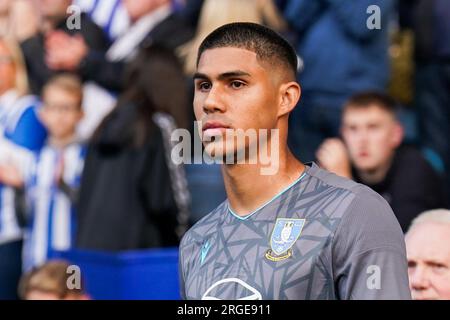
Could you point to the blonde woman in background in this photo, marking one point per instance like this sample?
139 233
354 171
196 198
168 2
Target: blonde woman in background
216 13
19 129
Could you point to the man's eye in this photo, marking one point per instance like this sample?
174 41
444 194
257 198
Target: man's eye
439 267
236 84
204 86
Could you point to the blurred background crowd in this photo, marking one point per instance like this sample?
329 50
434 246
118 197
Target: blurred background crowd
91 90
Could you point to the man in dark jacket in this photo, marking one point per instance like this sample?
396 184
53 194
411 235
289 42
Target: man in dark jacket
153 22
58 24
373 155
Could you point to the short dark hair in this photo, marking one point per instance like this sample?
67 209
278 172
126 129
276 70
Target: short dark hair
265 42
369 98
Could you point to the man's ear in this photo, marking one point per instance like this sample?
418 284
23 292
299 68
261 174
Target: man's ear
398 134
290 93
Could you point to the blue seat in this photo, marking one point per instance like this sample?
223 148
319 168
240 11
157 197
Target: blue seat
135 275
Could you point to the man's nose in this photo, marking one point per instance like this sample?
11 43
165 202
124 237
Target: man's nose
214 101
419 278
362 139
364 135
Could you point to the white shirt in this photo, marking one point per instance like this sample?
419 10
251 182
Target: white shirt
125 48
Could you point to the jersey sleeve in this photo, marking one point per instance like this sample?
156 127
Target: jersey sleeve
369 254
29 132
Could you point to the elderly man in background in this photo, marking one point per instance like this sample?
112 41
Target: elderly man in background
429 255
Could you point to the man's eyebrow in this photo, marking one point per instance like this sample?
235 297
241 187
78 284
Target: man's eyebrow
232 74
223 76
435 261
198 75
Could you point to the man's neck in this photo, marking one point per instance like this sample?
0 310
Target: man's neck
247 189
376 175
61 143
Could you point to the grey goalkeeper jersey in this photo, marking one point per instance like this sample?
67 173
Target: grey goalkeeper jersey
323 237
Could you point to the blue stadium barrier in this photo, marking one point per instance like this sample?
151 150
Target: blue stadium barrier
130 275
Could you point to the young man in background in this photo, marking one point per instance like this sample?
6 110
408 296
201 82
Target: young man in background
372 153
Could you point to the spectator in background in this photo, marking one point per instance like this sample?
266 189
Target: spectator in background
50 282
152 21
48 46
19 129
428 255
341 56
52 177
132 195
372 154
44 50
108 14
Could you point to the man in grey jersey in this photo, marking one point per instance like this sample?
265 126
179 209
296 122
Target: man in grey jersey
299 233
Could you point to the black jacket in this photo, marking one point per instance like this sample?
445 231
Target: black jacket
411 186
126 200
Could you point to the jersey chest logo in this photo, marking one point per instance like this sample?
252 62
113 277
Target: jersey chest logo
284 234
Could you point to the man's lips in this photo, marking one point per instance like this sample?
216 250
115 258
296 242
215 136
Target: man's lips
214 125
214 128
363 154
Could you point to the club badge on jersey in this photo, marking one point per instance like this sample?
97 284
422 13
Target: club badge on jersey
284 234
